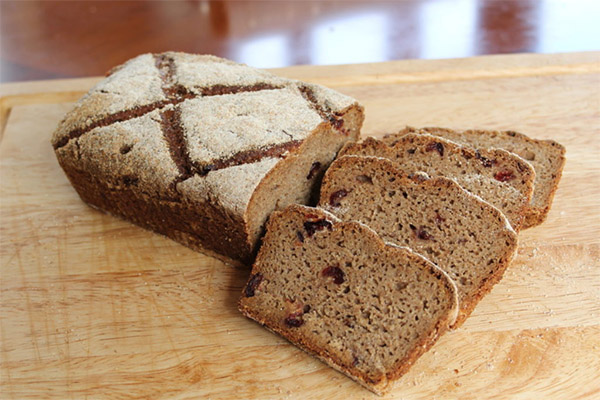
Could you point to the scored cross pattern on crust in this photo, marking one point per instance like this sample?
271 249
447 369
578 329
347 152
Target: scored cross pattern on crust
173 130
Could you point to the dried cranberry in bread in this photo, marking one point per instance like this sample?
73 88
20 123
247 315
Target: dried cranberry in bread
546 156
497 176
337 291
202 149
465 236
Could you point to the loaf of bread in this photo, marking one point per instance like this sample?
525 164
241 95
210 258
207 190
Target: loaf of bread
465 236
337 291
546 156
202 149
497 176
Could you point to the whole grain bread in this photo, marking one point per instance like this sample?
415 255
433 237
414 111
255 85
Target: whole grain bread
337 291
202 149
546 156
465 236
497 176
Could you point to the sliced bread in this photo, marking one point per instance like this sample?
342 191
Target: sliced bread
546 156
497 176
337 291
465 236
202 149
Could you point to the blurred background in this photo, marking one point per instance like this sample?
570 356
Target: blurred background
54 39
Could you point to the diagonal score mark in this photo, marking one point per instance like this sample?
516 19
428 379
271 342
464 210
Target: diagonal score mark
175 93
136 112
170 119
110 119
172 129
247 157
325 112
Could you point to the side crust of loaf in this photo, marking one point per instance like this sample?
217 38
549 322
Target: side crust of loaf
355 170
250 305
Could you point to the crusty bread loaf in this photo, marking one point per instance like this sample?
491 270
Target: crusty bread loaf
546 156
202 149
497 176
337 291
465 236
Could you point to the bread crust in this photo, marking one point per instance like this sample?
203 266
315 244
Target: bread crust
184 144
382 384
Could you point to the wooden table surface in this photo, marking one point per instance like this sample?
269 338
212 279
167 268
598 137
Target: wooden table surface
94 307
51 39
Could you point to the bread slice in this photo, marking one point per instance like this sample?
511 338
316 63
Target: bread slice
497 176
202 149
468 238
546 156
337 291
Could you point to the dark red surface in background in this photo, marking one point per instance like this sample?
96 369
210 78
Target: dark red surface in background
49 39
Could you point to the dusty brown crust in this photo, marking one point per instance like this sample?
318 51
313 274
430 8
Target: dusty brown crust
466 307
536 214
203 225
381 384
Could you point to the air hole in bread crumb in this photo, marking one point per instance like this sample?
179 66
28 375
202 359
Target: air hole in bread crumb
126 148
130 180
364 179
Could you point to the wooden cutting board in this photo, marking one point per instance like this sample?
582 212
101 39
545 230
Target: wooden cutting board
94 307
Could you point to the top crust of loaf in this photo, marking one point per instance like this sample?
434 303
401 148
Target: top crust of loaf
268 299
154 80
226 115
499 177
546 156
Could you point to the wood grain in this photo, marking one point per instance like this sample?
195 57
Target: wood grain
93 307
